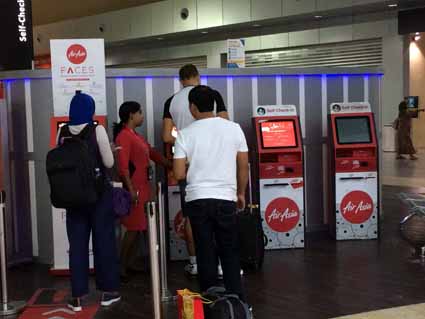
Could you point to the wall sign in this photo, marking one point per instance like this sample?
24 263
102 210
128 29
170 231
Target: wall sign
355 107
275 110
17 44
78 65
236 53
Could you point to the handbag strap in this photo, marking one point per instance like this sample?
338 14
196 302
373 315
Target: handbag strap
188 293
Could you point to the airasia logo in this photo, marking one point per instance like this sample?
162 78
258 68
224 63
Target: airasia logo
357 207
282 215
76 54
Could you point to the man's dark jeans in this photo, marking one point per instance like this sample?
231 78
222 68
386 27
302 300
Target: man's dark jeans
215 231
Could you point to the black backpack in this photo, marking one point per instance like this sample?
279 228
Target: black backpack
225 306
74 170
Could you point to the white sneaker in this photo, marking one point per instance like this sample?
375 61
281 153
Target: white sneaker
220 272
191 269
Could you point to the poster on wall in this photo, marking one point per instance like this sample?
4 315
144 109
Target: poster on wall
235 53
78 65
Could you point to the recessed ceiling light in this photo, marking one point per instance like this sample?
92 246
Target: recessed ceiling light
318 17
393 5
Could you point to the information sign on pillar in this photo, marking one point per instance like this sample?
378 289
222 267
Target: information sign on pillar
236 53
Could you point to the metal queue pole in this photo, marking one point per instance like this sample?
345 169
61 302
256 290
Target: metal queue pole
166 296
154 258
12 307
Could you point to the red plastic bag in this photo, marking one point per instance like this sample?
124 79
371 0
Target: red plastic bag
190 304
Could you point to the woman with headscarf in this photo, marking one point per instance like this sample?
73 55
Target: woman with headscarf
134 154
97 220
404 128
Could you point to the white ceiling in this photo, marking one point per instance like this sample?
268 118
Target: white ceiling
49 11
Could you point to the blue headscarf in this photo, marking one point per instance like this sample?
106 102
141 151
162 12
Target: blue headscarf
81 110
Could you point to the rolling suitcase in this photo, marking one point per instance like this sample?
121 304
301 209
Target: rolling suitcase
251 235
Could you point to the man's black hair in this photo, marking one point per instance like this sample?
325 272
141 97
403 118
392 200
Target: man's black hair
203 97
187 72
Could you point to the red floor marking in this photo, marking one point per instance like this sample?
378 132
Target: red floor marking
58 312
34 297
60 296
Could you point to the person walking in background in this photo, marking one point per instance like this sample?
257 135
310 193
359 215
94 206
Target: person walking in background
403 126
217 154
97 219
177 115
134 154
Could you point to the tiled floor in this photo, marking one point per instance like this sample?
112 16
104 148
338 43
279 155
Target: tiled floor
405 173
407 312
325 280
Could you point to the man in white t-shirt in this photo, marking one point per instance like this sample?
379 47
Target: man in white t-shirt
217 154
177 115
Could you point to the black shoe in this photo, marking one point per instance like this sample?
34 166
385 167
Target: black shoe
108 298
125 279
75 304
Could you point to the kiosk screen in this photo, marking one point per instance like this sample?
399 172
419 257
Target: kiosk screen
353 130
278 134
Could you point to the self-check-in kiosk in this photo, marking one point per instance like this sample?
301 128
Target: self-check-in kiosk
57 122
354 200
281 175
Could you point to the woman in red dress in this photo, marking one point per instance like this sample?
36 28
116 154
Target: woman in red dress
134 154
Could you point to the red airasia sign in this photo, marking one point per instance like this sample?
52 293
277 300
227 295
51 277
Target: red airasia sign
76 54
357 207
282 215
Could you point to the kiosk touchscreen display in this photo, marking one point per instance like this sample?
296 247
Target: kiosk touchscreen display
353 130
278 134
